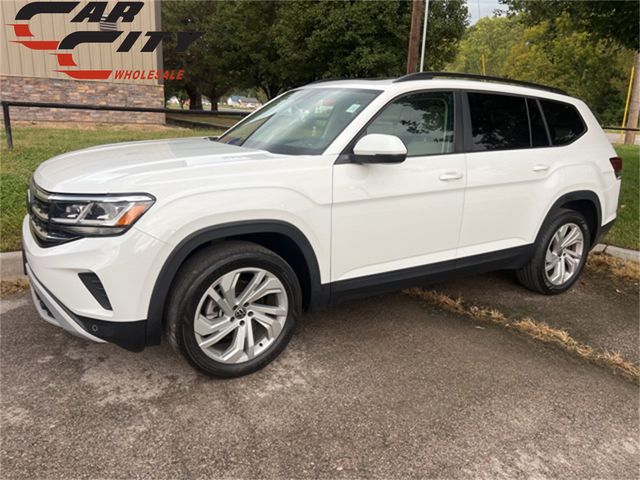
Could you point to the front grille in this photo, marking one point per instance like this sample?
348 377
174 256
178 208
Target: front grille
45 233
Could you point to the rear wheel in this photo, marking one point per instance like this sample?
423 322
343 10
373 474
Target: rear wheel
233 308
560 254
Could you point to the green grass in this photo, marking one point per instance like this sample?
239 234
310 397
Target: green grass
626 230
33 145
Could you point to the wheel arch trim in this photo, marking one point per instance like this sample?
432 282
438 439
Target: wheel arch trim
203 236
578 195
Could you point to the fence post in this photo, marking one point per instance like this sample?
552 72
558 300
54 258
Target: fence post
7 124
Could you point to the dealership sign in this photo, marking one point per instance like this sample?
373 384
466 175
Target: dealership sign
96 12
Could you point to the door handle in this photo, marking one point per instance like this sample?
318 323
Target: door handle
540 168
448 176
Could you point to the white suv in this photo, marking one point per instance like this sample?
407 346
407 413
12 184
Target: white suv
331 191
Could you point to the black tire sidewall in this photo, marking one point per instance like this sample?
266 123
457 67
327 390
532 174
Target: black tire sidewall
565 216
194 292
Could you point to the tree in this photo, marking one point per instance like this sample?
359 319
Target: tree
274 46
248 51
611 20
554 53
614 22
338 39
492 37
361 39
204 71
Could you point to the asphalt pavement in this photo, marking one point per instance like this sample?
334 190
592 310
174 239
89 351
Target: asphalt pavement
600 310
378 388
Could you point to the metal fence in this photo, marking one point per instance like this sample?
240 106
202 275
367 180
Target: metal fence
10 103
174 112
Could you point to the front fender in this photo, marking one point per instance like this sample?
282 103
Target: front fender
196 239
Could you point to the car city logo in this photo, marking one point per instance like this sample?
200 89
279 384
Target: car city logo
96 12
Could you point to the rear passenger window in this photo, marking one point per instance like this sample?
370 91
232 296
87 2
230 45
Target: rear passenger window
538 132
498 122
563 120
423 121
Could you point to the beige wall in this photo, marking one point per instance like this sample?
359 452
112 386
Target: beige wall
18 60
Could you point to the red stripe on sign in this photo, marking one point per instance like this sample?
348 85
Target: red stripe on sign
65 60
38 45
21 30
87 74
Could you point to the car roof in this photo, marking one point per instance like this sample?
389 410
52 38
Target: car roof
441 83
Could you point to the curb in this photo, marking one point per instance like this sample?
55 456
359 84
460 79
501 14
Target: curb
11 266
623 253
11 262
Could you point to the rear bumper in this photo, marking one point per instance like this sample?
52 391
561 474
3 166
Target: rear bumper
128 335
602 231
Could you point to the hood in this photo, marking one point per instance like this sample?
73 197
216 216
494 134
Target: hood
135 166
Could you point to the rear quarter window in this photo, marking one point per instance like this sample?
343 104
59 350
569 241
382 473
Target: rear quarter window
564 122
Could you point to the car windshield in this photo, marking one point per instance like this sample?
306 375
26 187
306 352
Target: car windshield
301 122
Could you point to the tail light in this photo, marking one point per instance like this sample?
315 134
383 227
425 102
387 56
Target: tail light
616 163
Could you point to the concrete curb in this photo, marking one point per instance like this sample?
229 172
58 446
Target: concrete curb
11 262
11 266
623 253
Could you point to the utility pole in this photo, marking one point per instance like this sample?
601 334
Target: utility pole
414 36
424 34
634 106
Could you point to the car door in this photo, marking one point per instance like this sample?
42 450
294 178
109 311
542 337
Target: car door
508 169
390 217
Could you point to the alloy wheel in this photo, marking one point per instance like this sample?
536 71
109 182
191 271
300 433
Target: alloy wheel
240 315
564 254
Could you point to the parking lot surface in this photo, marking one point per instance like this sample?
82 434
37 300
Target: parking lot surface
378 388
600 310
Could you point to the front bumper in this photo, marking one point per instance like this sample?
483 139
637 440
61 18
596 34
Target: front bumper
53 312
128 335
125 269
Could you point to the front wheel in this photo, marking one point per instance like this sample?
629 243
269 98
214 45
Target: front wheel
560 254
233 309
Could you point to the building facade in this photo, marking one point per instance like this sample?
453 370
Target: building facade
33 67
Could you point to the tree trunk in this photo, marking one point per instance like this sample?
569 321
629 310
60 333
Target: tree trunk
214 98
195 103
634 105
195 99
270 91
414 36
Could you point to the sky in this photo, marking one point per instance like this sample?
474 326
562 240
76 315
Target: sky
482 8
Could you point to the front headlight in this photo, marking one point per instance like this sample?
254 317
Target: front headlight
86 215
106 215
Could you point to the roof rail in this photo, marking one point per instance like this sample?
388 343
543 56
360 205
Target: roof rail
473 76
340 79
323 80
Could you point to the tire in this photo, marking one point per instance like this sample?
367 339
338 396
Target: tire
543 272
217 341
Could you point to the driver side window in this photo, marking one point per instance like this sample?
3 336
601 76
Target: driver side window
423 121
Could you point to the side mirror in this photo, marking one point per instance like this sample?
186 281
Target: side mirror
379 148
